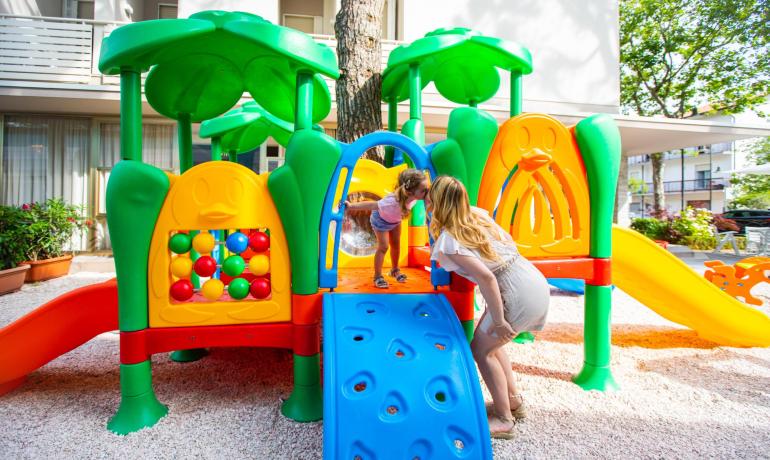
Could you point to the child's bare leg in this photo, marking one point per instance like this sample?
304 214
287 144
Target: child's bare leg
484 347
379 255
513 391
394 236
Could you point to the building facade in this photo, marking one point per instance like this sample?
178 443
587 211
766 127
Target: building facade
59 115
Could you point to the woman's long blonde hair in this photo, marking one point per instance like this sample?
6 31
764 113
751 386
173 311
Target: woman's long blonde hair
408 181
452 212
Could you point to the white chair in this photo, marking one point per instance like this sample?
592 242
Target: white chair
757 240
724 238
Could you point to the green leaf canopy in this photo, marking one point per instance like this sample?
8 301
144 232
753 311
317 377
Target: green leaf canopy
202 65
246 128
461 63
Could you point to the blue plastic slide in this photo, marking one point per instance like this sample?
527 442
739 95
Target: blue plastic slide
399 380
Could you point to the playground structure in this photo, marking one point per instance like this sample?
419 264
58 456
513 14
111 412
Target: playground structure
219 256
739 279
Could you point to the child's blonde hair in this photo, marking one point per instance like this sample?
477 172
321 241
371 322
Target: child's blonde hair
408 181
452 212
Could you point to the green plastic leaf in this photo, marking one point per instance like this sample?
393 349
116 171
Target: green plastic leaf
246 128
462 63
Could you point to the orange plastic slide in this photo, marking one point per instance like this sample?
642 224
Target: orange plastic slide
55 328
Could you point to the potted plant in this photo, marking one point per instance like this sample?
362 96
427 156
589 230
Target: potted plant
11 250
48 229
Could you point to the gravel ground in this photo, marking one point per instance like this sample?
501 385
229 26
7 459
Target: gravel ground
681 396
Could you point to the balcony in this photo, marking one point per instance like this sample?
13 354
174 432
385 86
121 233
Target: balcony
695 185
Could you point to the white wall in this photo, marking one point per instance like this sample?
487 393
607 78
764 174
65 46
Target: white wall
268 9
574 44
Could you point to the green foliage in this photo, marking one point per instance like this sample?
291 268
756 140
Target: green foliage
650 227
753 190
677 55
691 227
12 221
46 228
637 186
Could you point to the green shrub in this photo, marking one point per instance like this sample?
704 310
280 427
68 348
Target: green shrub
650 227
48 227
12 243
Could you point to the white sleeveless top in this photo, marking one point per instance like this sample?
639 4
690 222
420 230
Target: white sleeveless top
447 244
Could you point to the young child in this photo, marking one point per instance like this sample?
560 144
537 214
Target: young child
470 243
386 218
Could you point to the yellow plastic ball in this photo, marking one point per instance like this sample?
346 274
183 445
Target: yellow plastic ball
212 289
204 243
259 264
181 267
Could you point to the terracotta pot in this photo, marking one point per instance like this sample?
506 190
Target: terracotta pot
12 279
41 270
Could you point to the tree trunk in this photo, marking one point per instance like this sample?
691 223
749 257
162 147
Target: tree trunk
358 29
659 197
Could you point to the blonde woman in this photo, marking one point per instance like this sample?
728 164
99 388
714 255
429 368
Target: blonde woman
386 218
468 242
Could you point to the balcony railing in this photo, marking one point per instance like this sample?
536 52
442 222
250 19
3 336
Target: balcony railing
694 185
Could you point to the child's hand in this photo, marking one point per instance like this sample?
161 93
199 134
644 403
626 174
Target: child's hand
346 203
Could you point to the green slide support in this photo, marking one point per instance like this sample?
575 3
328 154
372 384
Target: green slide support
306 401
139 408
599 141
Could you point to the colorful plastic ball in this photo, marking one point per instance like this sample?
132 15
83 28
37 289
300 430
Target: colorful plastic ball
237 242
212 289
259 264
181 266
180 243
238 288
204 243
260 288
233 266
205 266
259 241
181 290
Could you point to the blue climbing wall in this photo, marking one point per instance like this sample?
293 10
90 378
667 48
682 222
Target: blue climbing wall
399 380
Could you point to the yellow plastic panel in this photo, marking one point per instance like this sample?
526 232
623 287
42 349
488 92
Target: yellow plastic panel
370 176
213 196
545 204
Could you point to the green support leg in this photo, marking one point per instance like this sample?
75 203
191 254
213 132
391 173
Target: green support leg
188 356
596 373
306 401
139 408
468 327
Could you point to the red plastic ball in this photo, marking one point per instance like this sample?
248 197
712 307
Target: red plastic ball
205 266
181 290
260 288
259 241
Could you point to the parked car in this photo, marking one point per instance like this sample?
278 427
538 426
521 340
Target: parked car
749 218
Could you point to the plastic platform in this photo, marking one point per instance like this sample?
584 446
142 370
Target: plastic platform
399 380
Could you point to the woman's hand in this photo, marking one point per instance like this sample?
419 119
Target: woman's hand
503 330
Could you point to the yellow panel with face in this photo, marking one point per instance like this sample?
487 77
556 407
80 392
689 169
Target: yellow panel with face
224 196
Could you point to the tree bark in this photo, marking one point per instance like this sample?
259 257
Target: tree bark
658 193
358 29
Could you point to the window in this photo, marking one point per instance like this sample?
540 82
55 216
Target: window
303 23
85 9
167 11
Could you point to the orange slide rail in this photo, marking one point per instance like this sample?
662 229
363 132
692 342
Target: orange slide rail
55 328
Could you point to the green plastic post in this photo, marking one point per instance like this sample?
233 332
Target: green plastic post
599 141
185 142
304 109
139 408
130 115
596 373
517 95
306 401
393 127
415 92
468 327
232 156
524 337
216 148
188 356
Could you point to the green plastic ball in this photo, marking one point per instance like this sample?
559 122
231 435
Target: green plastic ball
233 266
238 288
180 243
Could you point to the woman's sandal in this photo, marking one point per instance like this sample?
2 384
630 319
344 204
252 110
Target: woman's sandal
509 434
519 413
396 273
380 282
